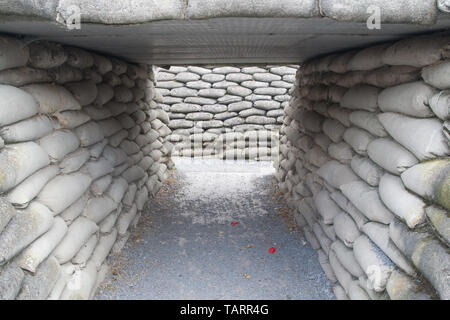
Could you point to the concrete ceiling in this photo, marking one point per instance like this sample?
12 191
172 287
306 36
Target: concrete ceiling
227 40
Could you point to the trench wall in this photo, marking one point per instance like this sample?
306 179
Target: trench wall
225 111
82 148
365 164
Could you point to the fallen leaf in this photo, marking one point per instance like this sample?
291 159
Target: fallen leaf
272 250
250 245
247 276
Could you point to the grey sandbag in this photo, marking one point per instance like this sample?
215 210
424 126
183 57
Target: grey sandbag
399 158
341 151
39 285
427 253
437 75
74 161
78 234
333 129
375 264
11 278
81 284
400 286
358 139
89 133
423 137
99 186
62 191
346 205
324 241
52 98
440 220
19 161
356 292
24 75
104 246
125 219
14 53
368 59
64 74
86 250
47 55
72 119
311 238
28 130
403 204
75 210
347 258
379 234
430 180
390 76
7 213
367 170
326 207
26 226
98 168
339 292
361 97
133 174
417 51
28 189
59 143
440 104
102 64
84 91
337 174
326 267
335 111
10 98
30 258
369 122
79 58
117 189
344 277
408 99
367 200
346 229
99 208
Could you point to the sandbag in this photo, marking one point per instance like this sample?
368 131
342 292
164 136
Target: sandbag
86 250
15 53
74 161
337 174
98 209
24 227
368 121
79 58
84 91
59 143
104 246
408 99
390 76
11 97
46 55
437 75
402 203
423 137
141 198
326 267
21 76
72 119
367 200
133 174
348 207
324 241
52 98
99 186
65 73
28 130
417 51
98 168
78 234
340 114
361 97
346 257
440 220
117 189
358 139
440 104
339 292
430 180
379 234
129 196
346 229
341 151
75 210
109 222
7 211
109 126
28 189
19 161
81 284
403 287
367 170
344 277
62 191
125 219
333 129
399 158
326 207
40 249
11 278
376 265
89 133
102 64
39 285
368 59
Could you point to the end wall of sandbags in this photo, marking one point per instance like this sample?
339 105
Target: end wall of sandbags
82 148
365 163
228 112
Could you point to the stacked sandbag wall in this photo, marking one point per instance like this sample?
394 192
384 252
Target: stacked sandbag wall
365 163
82 148
225 111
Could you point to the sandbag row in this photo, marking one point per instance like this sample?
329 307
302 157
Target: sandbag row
83 148
365 163
211 107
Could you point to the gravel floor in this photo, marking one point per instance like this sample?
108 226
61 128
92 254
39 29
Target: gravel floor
186 247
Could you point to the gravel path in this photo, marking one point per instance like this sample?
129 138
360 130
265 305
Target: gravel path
187 248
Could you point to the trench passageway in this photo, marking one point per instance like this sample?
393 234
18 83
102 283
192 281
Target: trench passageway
186 247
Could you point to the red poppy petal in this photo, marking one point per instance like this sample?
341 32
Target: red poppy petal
235 223
272 250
